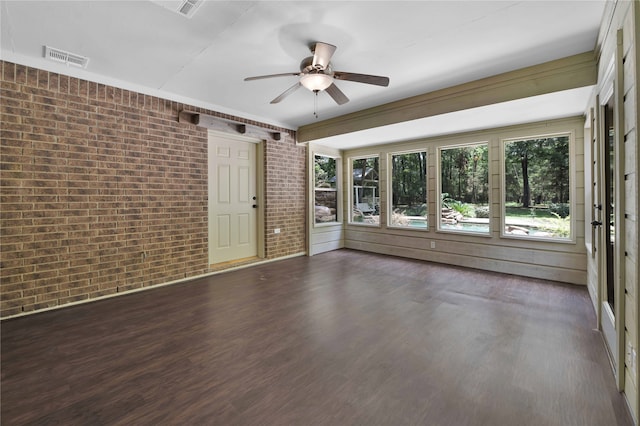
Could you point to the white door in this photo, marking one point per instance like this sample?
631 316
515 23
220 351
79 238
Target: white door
611 208
606 238
232 199
611 182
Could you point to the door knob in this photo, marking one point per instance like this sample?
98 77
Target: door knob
596 223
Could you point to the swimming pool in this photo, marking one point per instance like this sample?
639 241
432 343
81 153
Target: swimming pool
480 228
466 227
461 226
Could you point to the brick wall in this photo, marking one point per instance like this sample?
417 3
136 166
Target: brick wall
104 191
285 184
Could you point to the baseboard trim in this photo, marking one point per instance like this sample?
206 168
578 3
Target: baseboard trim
137 290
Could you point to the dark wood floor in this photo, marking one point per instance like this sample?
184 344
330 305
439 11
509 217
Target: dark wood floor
342 338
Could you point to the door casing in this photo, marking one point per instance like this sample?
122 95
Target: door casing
611 320
220 142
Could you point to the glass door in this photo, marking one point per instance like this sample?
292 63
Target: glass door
611 226
609 204
609 321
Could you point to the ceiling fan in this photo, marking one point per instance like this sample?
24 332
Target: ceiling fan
317 74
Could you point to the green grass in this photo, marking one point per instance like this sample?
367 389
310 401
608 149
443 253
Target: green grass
539 218
528 212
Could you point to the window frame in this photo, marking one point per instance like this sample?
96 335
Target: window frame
350 198
572 189
337 189
438 214
389 212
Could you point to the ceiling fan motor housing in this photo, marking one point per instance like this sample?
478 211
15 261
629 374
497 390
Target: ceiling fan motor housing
315 77
316 74
306 66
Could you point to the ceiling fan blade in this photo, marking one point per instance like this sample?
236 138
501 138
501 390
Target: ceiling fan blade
361 78
287 92
337 94
322 54
260 77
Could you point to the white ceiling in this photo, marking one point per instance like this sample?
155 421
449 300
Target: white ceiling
421 46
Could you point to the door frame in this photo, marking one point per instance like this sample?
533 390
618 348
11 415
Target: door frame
611 323
260 190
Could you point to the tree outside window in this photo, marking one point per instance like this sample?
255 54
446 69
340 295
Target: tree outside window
365 190
537 187
464 190
409 190
325 189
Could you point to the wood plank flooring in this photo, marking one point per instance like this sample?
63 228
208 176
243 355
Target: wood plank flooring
342 338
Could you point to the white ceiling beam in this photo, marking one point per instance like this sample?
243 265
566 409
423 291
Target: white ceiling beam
562 74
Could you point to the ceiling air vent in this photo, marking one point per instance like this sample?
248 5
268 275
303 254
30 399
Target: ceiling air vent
186 8
65 57
189 7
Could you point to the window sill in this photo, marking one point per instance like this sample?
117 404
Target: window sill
539 239
466 233
326 224
366 225
408 228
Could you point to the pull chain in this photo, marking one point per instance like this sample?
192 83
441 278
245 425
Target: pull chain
315 104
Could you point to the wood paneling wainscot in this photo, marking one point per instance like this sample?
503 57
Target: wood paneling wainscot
558 261
618 35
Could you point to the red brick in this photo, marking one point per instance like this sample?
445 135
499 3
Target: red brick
97 175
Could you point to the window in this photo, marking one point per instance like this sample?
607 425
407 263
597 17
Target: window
365 190
408 195
325 189
609 213
537 188
464 188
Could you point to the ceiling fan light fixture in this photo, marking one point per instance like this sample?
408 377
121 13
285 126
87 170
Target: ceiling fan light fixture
316 82
317 75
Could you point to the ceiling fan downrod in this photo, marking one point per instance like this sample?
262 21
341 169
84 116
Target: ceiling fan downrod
317 75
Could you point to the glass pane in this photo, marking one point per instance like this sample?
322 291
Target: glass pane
610 201
325 172
365 190
409 190
537 188
464 177
325 193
